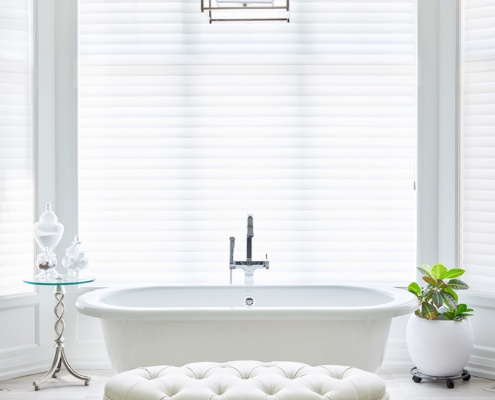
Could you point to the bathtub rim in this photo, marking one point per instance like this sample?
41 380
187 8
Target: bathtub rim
92 304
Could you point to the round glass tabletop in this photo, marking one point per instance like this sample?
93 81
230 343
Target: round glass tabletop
60 280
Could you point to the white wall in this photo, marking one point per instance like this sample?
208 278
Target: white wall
26 337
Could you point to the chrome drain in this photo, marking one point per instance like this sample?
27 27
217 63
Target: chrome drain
249 301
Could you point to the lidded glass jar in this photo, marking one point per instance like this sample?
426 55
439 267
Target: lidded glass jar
47 233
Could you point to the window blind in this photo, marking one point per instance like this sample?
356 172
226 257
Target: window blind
16 182
187 127
477 149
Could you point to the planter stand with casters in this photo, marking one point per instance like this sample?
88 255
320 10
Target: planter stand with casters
449 380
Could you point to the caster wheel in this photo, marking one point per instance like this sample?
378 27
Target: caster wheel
466 376
86 383
417 379
450 383
36 388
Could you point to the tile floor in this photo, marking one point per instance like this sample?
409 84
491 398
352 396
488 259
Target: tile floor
399 385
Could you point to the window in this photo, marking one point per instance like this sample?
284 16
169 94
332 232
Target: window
16 174
186 127
477 149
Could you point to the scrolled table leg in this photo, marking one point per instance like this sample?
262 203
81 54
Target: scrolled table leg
60 356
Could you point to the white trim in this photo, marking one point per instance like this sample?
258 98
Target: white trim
478 299
20 300
24 361
45 151
66 121
482 362
428 16
45 100
448 219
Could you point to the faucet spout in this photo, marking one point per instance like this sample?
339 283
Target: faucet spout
250 235
232 245
231 261
249 266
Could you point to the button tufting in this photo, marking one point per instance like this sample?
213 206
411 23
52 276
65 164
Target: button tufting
171 394
220 390
246 380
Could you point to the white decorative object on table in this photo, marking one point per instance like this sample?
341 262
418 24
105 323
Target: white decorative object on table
75 258
47 233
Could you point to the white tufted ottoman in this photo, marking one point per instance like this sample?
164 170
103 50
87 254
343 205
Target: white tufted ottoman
246 380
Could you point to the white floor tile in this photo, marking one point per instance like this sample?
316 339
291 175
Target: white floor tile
400 386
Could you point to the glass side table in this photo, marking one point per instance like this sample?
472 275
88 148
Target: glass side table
59 282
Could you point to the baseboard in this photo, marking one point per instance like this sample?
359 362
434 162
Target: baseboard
34 359
397 356
25 362
88 355
482 362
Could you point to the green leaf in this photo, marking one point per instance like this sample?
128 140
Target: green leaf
450 300
430 280
452 293
439 271
414 288
457 284
425 270
437 299
428 311
461 308
449 315
442 284
454 273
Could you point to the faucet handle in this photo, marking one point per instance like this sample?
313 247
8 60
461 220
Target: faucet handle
232 245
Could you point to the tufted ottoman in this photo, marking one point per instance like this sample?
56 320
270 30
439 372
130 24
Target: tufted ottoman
246 380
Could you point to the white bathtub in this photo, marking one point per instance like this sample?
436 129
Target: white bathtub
346 325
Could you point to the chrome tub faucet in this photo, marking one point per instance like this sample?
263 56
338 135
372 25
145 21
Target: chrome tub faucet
249 266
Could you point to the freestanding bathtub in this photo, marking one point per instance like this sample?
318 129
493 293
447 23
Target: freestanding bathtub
175 325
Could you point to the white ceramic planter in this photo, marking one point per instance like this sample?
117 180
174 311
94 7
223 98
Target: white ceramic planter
439 347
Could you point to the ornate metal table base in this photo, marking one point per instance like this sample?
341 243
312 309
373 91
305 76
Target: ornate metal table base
60 356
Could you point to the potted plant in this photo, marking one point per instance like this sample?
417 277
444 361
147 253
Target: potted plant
439 335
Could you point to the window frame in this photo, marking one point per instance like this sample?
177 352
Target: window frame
437 214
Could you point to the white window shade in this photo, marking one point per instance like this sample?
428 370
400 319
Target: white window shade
477 159
185 127
16 175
